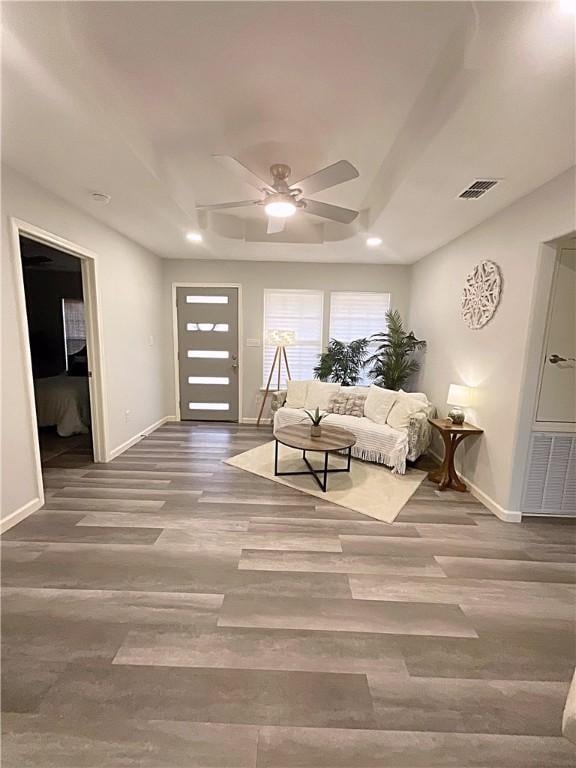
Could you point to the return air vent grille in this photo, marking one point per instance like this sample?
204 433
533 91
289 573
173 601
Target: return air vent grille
478 188
550 486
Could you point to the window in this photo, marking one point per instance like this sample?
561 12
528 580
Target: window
301 312
358 315
74 327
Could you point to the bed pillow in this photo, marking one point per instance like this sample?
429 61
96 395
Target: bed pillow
403 409
297 391
416 396
378 403
319 393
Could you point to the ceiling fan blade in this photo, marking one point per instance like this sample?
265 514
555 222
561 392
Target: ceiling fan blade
332 212
220 206
334 174
248 176
275 225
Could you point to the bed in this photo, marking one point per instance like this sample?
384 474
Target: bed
63 402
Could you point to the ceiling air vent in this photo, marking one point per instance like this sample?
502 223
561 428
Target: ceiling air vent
478 188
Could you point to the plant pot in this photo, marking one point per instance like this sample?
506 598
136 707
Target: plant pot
316 430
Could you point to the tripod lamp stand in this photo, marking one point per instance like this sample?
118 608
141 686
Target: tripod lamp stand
280 339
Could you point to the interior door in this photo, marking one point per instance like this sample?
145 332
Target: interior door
207 320
557 402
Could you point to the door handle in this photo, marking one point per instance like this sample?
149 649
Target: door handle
555 359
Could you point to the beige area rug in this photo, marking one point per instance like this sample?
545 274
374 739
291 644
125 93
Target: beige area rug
369 488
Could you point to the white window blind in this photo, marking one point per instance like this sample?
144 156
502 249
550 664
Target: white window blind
357 315
301 312
74 326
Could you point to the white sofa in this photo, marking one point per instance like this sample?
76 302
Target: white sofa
379 443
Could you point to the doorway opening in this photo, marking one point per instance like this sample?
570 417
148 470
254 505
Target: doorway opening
58 339
548 486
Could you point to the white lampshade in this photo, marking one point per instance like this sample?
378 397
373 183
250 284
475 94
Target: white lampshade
281 338
460 395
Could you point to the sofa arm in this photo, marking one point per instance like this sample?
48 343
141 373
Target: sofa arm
419 433
278 400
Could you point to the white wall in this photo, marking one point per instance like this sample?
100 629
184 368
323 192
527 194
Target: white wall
132 325
499 358
256 276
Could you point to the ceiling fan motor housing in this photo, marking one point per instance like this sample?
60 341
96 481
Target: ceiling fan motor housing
280 172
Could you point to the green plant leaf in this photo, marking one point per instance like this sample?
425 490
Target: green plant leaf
392 364
342 363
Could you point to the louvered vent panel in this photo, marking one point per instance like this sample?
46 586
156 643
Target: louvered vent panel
550 486
478 188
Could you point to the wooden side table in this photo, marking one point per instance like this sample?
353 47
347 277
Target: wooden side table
452 435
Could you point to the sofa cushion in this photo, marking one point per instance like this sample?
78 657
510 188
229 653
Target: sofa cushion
355 390
403 409
297 391
378 403
319 393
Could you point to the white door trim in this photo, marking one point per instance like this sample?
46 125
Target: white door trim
240 342
93 337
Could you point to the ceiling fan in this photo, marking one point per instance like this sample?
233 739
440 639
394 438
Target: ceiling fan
282 199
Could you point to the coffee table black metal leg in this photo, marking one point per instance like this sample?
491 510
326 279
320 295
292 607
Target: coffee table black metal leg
349 458
325 472
276 457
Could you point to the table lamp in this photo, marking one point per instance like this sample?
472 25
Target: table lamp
459 397
279 338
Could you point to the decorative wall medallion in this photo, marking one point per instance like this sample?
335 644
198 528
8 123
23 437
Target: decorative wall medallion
481 294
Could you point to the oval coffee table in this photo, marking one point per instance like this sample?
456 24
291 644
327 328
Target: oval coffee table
332 439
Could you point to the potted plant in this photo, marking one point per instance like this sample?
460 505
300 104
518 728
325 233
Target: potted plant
342 363
393 362
316 419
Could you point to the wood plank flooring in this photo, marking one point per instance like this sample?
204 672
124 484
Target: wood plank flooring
167 610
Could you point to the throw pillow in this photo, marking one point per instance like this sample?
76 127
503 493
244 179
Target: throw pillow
403 409
416 395
378 403
355 405
297 391
337 403
319 393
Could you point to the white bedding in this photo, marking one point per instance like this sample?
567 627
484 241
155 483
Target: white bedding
64 402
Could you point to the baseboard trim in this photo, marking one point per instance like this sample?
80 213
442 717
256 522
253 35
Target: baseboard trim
19 514
253 420
136 439
506 515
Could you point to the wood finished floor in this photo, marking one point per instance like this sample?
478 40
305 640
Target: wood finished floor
167 610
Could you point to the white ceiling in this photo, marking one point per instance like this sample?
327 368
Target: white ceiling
132 99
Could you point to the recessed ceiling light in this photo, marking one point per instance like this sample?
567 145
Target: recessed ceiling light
373 242
101 198
194 237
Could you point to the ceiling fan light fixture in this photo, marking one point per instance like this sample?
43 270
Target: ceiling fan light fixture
373 241
281 209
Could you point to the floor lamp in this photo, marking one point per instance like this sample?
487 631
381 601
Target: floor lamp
281 340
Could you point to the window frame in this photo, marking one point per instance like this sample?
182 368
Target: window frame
64 301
